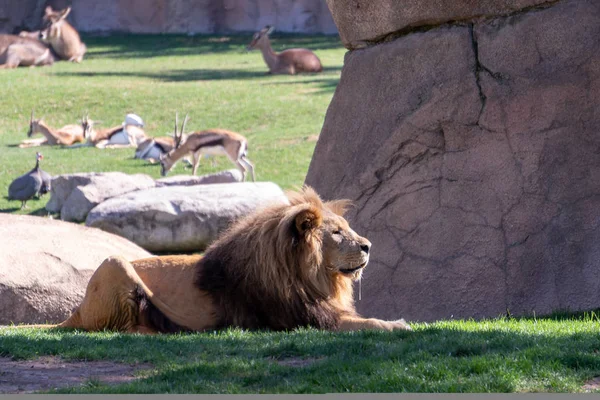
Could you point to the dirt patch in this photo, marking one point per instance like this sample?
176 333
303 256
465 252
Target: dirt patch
592 384
47 373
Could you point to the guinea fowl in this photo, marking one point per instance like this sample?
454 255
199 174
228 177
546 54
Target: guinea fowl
28 185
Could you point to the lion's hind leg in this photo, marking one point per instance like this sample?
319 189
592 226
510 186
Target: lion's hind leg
111 300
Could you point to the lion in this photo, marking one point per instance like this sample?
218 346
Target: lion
283 267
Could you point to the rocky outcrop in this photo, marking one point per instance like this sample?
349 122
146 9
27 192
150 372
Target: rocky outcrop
45 266
181 218
471 153
74 195
364 22
176 16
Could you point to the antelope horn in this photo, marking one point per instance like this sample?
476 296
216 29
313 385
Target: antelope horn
183 126
175 137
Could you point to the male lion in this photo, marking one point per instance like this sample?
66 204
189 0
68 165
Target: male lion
284 267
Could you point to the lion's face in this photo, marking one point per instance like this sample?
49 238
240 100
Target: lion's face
343 251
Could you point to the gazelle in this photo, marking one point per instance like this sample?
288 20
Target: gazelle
290 61
66 136
208 142
61 35
124 135
23 51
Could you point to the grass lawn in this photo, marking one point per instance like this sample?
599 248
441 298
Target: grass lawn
212 78
221 85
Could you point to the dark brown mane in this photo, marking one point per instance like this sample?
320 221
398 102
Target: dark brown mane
255 272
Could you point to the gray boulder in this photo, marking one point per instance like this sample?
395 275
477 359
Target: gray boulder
228 176
181 218
74 195
45 266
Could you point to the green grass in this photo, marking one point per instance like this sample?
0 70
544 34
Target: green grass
212 78
499 355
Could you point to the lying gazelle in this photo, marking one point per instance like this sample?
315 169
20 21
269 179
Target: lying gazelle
208 142
23 51
65 136
61 35
290 61
128 134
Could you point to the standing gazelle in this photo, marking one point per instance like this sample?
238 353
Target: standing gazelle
290 61
208 142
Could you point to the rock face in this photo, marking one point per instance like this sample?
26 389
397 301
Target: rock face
475 164
181 218
176 16
74 195
45 266
365 21
228 176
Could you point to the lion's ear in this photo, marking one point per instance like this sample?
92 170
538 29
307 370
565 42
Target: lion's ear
307 220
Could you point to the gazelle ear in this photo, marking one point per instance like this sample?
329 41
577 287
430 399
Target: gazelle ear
64 13
270 29
48 11
307 220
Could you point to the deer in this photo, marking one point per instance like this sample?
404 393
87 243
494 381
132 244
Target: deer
65 136
128 134
24 51
61 35
208 142
290 61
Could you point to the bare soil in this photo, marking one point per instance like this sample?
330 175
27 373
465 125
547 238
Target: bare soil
47 373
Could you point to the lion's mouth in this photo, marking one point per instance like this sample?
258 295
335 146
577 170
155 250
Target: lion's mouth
352 270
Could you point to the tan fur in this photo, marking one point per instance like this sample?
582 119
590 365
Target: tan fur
290 61
61 35
65 136
102 138
23 51
319 262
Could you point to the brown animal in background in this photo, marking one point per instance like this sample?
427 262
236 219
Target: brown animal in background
290 61
23 51
61 35
208 142
284 267
66 136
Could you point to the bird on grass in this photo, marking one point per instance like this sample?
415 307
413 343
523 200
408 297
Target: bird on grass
31 184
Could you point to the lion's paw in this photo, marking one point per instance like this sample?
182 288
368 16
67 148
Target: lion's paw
400 324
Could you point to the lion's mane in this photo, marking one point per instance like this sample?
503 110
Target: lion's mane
266 273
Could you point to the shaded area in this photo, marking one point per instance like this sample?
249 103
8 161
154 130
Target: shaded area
146 46
48 373
184 75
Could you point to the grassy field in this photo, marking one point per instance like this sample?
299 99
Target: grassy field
221 85
212 78
503 355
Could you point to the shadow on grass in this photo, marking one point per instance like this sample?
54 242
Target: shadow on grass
184 75
429 359
147 46
325 84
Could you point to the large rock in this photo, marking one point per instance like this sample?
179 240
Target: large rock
45 266
362 22
177 16
472 154
181 218
74 195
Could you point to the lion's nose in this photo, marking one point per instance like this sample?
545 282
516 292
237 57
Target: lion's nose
365 247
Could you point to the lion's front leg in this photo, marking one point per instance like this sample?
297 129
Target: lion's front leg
349 323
